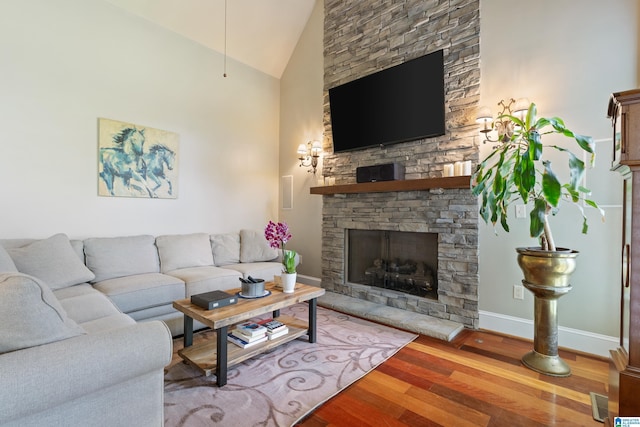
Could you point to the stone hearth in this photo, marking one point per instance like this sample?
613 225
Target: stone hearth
419 323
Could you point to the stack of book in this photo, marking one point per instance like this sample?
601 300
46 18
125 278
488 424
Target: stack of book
248 334
275 328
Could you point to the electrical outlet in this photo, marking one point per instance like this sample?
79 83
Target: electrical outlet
521 211
518 292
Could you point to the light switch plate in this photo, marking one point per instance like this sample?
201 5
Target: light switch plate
518 292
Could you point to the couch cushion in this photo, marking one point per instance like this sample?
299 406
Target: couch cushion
52 260
225 248
255 248
140 291
78 248
87 308
205 279
160 311
91 308
110 257
108 323
183 251
30 314
74 291
6 263
258 270
15 243
77 245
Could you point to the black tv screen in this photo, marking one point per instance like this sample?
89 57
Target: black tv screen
401 103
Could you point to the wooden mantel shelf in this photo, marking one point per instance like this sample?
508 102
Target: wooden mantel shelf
401 185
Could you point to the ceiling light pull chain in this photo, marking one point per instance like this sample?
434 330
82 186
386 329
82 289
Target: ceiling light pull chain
225 39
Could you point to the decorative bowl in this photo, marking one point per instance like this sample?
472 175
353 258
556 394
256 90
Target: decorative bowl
253 289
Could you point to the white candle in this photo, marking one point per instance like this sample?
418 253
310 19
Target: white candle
448 170
332 180
320 182
466 168
457 169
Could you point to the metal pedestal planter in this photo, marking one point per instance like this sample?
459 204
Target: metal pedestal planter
546 275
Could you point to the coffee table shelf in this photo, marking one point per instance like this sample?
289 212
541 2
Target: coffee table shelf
204 355
216 355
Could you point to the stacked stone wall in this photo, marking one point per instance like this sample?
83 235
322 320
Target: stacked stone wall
362 37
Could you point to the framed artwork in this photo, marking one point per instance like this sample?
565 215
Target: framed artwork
136 161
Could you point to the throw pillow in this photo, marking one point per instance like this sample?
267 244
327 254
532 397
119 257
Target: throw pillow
30 314
6 263
52 260
111 257
255 248
226 248
184 251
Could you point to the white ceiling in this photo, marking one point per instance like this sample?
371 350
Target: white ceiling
260 33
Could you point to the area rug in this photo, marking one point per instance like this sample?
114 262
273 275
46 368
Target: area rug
281 387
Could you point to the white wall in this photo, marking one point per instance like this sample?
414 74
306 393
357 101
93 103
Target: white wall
568 59
66 63
301 121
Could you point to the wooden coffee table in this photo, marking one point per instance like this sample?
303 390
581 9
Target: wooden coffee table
216 355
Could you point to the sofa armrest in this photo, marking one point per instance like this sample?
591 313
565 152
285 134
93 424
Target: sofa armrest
38 378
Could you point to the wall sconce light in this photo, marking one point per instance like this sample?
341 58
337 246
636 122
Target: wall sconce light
503 125
308 154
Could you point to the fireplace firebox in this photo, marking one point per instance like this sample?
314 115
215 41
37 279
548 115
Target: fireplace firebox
400 261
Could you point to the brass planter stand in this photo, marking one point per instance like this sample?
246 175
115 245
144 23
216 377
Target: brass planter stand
546 275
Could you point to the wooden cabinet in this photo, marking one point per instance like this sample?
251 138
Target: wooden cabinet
624 111
624 373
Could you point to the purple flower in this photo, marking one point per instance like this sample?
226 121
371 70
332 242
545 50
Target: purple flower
277 234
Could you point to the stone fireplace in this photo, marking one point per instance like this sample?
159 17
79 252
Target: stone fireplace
401 261
361 37
450 214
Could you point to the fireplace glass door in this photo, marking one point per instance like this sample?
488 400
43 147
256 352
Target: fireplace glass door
396 260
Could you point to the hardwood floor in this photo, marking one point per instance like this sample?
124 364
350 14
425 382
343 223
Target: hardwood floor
476 380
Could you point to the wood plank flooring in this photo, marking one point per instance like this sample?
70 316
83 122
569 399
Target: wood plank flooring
476 380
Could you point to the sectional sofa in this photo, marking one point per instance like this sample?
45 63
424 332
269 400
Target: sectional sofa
87 325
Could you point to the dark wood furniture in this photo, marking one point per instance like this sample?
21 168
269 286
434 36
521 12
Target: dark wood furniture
216 356
624 373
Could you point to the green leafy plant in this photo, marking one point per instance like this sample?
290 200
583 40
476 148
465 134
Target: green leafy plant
515 170
289 261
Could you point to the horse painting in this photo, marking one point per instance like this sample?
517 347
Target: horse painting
136 161
125 161
156 159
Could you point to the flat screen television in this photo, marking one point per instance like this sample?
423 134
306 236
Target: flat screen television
398 104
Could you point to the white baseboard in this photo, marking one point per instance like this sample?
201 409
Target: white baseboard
309 280
584 341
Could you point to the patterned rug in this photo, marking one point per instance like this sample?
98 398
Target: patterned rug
281 387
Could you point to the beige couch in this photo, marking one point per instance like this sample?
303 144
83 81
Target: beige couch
81 340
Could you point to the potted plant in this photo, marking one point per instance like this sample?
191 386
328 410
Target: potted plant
278 235
515 170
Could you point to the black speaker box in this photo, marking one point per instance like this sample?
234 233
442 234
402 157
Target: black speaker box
385 172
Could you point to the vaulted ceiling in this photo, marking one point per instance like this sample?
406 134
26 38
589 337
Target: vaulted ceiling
259 33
